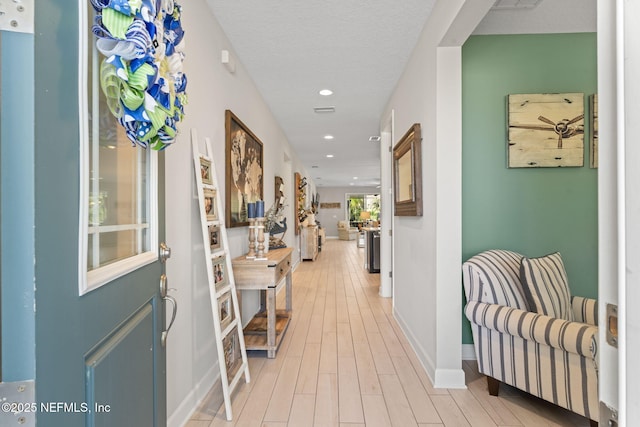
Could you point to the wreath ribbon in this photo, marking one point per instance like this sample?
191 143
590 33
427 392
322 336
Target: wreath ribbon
141 75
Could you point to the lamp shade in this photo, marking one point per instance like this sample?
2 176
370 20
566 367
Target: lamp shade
364 215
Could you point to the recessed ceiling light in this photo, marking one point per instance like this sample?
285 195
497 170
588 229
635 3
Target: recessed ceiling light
328 137
515 4
326 92
324 109
329 156
355 177
351 183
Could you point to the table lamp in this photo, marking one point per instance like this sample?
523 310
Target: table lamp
365 216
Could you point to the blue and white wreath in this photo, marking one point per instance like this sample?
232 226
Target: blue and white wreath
141 75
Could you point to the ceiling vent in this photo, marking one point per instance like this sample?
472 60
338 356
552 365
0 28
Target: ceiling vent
515 4
324 109
374 138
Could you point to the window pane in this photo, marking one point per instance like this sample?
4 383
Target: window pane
118 180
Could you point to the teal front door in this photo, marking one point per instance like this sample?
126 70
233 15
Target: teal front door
100 359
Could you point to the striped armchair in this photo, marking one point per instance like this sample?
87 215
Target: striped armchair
552 358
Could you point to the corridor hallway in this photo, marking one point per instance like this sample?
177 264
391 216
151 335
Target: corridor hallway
345 362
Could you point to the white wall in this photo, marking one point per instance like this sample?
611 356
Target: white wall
427 250
191 355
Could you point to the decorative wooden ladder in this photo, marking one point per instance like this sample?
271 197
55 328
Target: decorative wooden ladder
232 354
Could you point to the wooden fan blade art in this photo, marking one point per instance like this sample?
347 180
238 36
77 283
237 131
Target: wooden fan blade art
546 130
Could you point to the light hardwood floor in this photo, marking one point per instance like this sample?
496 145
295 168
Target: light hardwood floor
345 362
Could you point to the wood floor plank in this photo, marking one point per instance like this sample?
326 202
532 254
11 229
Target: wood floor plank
451 415
280 404
350 401
326 411
253 411
345 342
328 354
472 408
367 375
423 409
375 411
308 374
380 354
302 410
398 406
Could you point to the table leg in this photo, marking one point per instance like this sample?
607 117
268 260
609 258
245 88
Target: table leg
271 322
263 300
289 294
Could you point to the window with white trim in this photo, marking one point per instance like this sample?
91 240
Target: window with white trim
118 212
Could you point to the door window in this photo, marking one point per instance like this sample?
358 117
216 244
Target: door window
119 189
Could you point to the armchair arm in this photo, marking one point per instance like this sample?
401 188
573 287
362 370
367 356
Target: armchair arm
569 336
585 310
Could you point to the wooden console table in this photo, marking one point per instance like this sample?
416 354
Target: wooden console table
266 329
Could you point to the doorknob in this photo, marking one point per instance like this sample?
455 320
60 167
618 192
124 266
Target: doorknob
165 252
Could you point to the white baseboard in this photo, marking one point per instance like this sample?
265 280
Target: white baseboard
423 357
181 416
468 352
440 378
449 378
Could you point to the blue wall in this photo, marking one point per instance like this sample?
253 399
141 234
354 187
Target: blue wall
531 211
17 198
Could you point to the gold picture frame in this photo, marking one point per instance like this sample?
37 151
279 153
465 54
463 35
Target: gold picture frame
407 173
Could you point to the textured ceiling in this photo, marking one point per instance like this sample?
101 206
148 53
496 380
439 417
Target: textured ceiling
358 49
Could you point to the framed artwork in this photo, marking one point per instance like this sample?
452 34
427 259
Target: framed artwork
220 272
210 208
231 349
215 239
225 310
205 171
593 146
244 171
331 205
546 130
407 173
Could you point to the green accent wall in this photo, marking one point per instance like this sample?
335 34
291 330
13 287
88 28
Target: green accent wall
530 211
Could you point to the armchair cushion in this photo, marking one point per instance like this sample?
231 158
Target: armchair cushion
546 287
573 337
585 310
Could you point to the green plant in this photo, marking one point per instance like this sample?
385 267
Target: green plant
356 206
